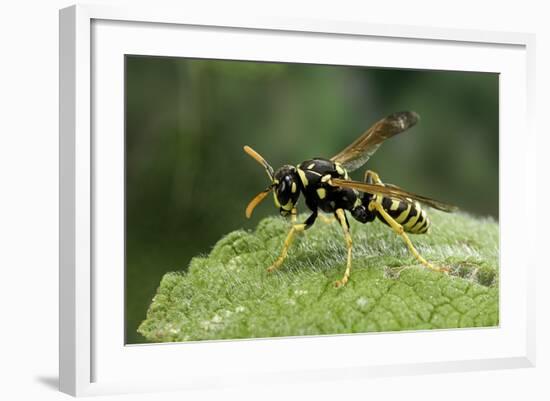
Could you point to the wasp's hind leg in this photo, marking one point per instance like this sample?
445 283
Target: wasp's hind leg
372 178
296 228
341 217
399 230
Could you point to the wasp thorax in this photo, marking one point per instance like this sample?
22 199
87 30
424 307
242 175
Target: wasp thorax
286 189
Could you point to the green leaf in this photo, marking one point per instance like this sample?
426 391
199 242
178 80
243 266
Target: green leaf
229 294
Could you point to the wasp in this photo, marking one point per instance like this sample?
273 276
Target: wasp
326 186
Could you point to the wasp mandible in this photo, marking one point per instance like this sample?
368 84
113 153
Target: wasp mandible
326 186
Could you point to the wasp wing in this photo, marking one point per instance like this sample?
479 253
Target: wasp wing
357 154
394 192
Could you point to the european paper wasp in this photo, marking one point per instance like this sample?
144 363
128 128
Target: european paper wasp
326 186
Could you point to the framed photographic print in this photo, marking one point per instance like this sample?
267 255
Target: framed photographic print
243 200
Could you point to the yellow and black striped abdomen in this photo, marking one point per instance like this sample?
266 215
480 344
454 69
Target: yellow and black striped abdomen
407 213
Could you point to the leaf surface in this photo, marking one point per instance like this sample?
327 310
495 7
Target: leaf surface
228 294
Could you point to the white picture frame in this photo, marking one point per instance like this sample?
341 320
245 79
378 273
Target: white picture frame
93 356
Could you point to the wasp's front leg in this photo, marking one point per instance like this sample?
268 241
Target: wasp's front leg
293 215
295 229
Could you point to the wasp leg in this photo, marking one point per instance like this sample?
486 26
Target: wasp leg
372 178
327 219
293 214
341 216
296 228
398 229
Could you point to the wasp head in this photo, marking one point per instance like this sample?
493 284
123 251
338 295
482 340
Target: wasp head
286 189
284 184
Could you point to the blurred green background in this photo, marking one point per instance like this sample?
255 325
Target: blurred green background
188 180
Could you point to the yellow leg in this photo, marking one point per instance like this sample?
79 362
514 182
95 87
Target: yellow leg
398 229
326 219
341 216
374 178
296 228
293 214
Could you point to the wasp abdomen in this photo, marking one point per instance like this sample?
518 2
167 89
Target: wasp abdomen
408 214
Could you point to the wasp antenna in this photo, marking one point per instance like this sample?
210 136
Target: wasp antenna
256 156
256 201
